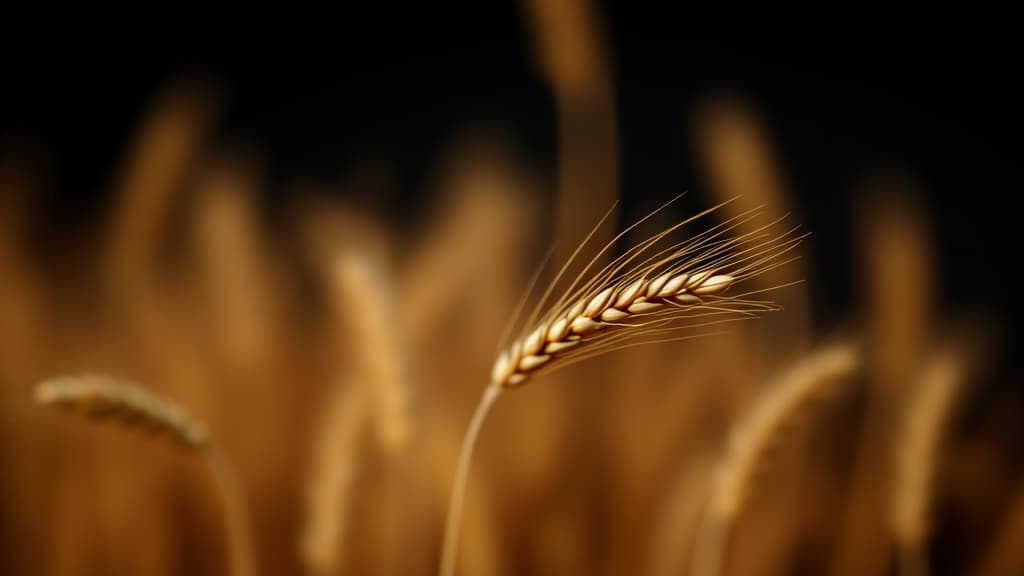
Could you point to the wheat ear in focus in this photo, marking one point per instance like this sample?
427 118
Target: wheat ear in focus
659 290
651 293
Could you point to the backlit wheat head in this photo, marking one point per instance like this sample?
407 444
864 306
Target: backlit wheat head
651 293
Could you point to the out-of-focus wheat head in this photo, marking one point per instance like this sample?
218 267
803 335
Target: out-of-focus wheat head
740 162
370 394
101 397
897 283
782 404
925 424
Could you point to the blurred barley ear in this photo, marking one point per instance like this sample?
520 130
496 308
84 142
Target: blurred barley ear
898 287
165 150
926 422
100 397
570 52
738 155
784 402
367 299
330 492
372 393
236 264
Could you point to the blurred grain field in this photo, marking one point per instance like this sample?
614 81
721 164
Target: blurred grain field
315 250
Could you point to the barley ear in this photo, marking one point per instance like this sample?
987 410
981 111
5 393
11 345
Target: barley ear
100 397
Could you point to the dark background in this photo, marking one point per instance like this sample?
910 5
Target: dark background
928 91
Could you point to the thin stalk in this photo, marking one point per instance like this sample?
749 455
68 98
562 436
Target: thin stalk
709 554
453 524
236 516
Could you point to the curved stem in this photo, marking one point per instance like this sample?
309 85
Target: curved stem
453 524
236 516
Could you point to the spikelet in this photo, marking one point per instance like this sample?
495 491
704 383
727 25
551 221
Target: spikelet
102 397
